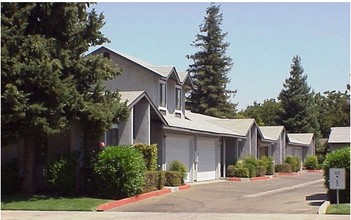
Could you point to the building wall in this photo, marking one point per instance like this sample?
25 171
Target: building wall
231 155
141 126
125 131
133 78
334 147
254 141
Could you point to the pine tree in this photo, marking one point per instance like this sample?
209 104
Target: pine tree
299 112
210 68
47 81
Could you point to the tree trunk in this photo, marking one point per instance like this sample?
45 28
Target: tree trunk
28 184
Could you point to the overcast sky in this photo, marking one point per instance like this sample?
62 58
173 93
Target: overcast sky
263 39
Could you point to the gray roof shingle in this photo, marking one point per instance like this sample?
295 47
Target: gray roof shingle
339 135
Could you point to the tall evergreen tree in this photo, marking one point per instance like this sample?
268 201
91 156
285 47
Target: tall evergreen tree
210 68
47 81
299 113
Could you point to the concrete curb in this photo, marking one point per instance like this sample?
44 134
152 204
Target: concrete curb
315 171
288 174
121 202
237 179
323 208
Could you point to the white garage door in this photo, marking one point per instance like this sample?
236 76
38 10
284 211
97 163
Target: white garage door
206 148
178 148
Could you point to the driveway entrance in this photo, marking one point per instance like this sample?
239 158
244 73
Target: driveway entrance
302 194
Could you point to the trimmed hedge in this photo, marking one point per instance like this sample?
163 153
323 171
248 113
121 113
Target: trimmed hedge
311 162
154 180
230 171
61 176
119 172
149 153
283 168
241 172
338 159
173 178
10 180
295 163
261 170
178 166
252 169
268 163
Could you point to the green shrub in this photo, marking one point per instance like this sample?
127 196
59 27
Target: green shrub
150 181
119 172
174 178
311 162
149 153
241 172
154 180
261 170
250 160
61 175
295 163
10 180
283 168
252 169
161 179
268 163
176 165
230 171
338 159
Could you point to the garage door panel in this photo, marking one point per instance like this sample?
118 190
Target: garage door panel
178 148
207 159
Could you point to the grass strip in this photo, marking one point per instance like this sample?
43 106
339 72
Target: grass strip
50 203
341 209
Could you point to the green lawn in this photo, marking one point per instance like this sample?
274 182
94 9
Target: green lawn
341 209
49 203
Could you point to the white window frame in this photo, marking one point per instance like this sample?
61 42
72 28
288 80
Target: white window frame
162 82
178 87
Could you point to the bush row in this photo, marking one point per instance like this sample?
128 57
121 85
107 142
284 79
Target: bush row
251 167
116 172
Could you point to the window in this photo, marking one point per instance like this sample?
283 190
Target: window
178 98
163 94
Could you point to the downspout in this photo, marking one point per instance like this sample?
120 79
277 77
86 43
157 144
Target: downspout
224 157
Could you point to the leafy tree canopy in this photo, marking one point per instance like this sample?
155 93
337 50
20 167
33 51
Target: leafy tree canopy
210 67
334 110
47 81
265 114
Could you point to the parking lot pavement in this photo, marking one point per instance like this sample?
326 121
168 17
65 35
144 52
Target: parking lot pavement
302 194
54 215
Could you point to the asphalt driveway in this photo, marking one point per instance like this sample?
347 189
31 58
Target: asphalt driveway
302 194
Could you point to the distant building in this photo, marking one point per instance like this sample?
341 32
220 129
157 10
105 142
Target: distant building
339 137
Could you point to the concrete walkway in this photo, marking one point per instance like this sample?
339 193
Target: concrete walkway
53 215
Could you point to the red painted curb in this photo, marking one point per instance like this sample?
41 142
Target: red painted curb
288 174
259 178
186 186
315 171
126 201
237 179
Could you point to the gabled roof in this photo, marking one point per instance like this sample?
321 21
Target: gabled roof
339 135
162 71
133 97
303 139
239 126
191 125
271 133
